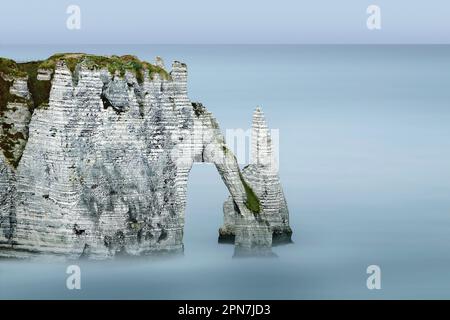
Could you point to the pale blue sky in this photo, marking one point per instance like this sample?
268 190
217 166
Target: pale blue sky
231 21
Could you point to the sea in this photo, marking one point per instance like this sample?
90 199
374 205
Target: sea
363 146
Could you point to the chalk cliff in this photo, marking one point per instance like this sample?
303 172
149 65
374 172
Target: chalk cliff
96 153
271 225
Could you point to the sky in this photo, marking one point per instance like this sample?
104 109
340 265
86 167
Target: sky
224 22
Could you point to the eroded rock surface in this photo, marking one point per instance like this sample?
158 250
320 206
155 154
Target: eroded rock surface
101 168
271 224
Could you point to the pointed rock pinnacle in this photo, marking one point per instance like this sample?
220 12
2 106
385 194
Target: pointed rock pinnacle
261 141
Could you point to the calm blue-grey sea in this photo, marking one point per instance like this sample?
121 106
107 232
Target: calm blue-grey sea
364 157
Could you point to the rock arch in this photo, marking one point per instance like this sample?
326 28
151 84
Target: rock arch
105 164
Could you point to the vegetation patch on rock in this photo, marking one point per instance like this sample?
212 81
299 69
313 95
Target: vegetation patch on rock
113 64
252 203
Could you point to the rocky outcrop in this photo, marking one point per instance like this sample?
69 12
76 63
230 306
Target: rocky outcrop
98 165
271 224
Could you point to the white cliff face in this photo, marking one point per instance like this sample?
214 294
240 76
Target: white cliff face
7 198
103 168
261 149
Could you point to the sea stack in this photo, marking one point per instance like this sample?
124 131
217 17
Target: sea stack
271 224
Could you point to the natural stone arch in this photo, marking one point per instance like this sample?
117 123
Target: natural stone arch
104 169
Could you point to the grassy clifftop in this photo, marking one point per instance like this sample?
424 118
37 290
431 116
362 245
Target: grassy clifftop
113 63
40 89
10 140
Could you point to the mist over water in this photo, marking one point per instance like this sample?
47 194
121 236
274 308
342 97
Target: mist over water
364 162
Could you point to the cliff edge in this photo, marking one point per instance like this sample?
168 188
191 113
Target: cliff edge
95 156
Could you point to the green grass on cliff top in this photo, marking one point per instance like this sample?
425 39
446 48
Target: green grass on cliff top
9 67
113 64
40 89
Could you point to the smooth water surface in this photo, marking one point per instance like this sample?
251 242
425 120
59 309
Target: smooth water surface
364 155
